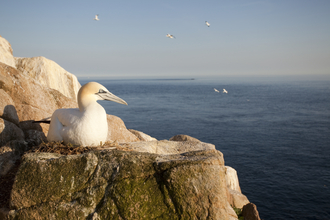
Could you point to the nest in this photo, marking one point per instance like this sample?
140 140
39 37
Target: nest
69 149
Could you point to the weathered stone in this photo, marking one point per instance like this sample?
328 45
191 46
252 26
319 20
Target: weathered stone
47 177
142 136
6 53
167 147
118 132
9 131
183 137
25 90
27 100
235 196
194 180
250 212
112 184
7 108
35 137
232 179
231 213
10 153
237 199
49 74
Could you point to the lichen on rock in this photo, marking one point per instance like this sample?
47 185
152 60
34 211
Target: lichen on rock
113 184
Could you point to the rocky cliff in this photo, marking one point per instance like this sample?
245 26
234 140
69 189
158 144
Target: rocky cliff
133 176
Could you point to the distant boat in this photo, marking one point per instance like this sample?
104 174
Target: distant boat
225 91
216 90
96 18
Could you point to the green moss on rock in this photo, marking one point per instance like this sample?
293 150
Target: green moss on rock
114 184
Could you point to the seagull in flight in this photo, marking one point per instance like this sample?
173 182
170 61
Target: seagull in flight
216 90
207 24
96 18
225 91
170 36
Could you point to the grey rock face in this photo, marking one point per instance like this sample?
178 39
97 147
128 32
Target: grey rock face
113 184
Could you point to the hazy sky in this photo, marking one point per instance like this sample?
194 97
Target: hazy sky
246 38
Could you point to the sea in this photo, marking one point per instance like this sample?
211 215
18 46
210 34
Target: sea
275 133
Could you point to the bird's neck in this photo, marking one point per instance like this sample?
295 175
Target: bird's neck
86 102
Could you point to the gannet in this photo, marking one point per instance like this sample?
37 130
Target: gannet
216 90
207 23
86 125
170 36
96 18
225 91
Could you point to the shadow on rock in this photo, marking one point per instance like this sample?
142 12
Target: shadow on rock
14 142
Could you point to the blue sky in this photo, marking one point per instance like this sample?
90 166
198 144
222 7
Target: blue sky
246 38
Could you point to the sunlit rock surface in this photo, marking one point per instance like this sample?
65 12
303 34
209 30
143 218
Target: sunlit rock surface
112 184
6 53
49 74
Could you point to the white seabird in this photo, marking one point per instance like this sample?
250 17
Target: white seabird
96 18
207 23
225 91
86 125
170 36
216 90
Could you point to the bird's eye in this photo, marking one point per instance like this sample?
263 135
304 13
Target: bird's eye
102 91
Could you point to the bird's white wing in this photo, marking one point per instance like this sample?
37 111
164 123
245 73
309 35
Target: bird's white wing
67 116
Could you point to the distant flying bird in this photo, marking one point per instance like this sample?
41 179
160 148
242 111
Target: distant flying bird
225 91
216 90
170 36
96 18
207 23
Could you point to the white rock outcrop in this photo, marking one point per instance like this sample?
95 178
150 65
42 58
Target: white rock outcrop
6 53
235 196
232 179
49 74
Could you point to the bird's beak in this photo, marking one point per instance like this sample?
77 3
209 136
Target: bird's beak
111 97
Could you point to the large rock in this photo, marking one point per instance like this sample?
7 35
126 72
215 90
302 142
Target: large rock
27 100
112 184
237 199
232 179
183 137
142 136
117 131
49 74
235 196
250 212
165 147
6 53
9 132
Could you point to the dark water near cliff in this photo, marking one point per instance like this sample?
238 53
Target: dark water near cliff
275 134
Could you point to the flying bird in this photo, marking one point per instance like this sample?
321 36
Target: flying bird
170 36
216 90
86 125
225 91
96 18
207 23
